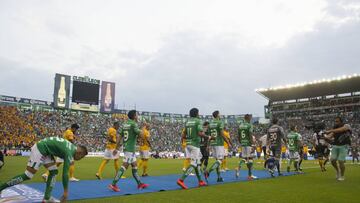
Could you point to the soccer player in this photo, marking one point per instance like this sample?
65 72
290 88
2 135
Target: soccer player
217 139
145 149
340 134
275 136
294 146
187 159
109 151
43 153
69 136
204 146
247 144
1 159
320 144
226 150
192 135
129 133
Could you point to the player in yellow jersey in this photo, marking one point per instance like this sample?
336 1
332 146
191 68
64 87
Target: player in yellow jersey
187 160
68 135
110 152
226 150
144 149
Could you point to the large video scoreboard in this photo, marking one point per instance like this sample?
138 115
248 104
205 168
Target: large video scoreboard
85 93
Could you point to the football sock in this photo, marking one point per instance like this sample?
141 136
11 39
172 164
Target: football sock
118 175
50 183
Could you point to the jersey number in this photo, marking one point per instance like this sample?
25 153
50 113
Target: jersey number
126 135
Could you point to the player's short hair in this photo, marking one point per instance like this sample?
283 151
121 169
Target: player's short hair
216 114
194 112
132 114
247 116
206 123
84 149
292 127
274 120
75 126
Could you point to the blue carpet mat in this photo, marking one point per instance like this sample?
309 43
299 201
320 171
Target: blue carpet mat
88 189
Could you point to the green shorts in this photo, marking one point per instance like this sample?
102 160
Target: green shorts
339 152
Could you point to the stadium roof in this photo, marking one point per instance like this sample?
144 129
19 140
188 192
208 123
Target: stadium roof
324 87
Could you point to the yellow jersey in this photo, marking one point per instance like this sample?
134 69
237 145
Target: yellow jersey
283 149
258 149
69 135
144 144
183 143
111 136
227 135
306 149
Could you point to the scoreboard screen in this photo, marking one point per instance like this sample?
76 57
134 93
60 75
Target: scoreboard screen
86 93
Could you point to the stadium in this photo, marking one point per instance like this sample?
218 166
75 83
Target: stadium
155 101
302 104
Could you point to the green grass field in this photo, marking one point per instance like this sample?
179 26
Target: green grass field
313 186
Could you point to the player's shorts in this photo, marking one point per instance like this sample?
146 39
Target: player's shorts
60 160
218 152
339 152
322 151
129 157
187 153
204 151
145 154
226 152
294 155
276 151
246 152
36 159
194 154
109 154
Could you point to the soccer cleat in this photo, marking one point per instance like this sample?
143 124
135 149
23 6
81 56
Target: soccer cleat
181 184
142 186
254 177
123 177
44 177
98 176
341 178
191 174
114 188
222 170
237 173
73 179
338 175
220 180
51 200
202 183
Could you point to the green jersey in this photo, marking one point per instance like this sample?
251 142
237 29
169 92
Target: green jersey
129 133
59 147
216 128
245 134
193 126
293 140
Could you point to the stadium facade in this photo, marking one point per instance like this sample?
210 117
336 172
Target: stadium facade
314 100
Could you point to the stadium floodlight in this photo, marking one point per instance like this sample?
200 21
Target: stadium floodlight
324 80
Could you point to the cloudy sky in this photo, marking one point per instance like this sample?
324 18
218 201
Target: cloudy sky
169 56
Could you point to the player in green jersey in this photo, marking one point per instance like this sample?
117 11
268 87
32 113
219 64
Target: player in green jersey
129 133
247 144
192 134
43 153
294 146
217 139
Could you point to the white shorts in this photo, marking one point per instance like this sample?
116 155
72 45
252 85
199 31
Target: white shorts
36 159
218 152
246 152
145 154
226 152
129 157
294 155
187 153
194 154
109 154
60 160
